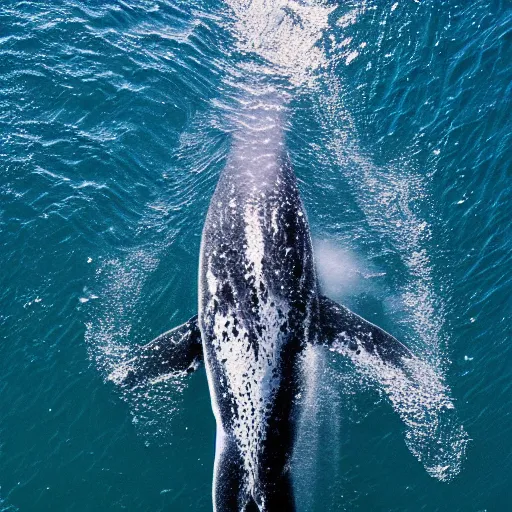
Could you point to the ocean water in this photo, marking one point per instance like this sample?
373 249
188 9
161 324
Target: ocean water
116 119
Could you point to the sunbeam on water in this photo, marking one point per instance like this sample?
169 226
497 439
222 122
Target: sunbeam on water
284 33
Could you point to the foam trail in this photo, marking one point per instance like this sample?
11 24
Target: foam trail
421 399
386 196
107 336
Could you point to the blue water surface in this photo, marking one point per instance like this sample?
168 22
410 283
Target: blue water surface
115 122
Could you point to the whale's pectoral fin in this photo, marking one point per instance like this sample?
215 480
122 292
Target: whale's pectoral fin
339 327
413 387
178 351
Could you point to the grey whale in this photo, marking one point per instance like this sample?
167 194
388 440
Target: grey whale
259 308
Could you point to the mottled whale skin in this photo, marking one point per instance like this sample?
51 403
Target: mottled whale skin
259 308
258 302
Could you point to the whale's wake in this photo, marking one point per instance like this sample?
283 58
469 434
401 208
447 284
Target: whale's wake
110 338
421 399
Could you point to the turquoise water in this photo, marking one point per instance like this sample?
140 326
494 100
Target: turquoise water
115 122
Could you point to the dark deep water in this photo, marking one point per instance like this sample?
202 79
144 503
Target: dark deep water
115 120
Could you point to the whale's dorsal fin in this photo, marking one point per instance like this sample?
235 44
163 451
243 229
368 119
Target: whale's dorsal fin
176 351
338 325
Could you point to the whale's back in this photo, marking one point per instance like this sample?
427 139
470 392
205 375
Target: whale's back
257 300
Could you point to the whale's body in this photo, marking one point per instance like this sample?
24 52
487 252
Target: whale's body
257 303
259 308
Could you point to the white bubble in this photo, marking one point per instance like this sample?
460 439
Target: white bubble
351 56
